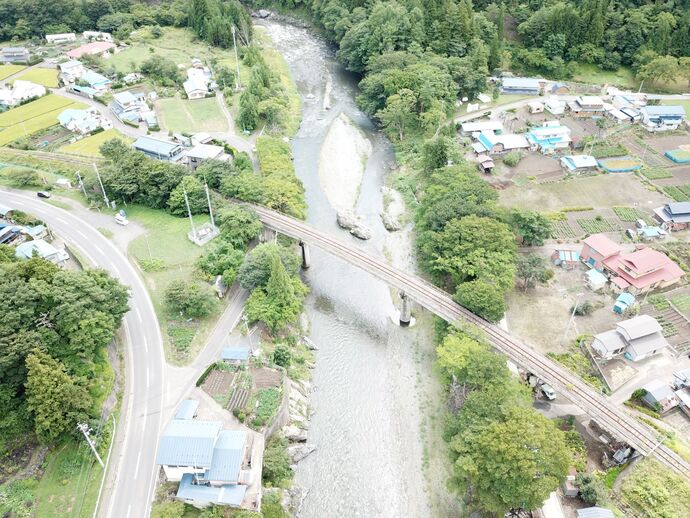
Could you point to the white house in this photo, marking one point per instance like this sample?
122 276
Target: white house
554 106
195 89
71 70
637 338
61 38
97 36
20 91
196 155
662 118
42 249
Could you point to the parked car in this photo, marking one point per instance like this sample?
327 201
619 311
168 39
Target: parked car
42 194
548 392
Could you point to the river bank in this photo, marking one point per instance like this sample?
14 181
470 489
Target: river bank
375 396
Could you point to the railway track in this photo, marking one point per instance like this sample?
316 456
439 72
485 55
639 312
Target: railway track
613 418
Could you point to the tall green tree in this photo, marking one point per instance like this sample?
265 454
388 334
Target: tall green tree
56 402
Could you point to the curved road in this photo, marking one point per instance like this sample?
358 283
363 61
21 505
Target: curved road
612 417
132 465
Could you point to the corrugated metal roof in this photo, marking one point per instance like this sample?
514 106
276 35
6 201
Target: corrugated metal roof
230 494
227 457
664 110
188 443
235 353
594 512
521 82
187 409
156 147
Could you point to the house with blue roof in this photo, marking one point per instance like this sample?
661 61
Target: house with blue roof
235 355
83 121
549 137
159 149
42 249
662 118
95 80
213 465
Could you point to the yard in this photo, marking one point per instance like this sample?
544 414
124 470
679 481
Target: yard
182 115
8 70
89 146
47 77
32 117
165 254
601 191
592 74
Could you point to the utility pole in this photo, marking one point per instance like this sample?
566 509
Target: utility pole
84 428
189 211
237 59
210 209
572 317
81 184
105 196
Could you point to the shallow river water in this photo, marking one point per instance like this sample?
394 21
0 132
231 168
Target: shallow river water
366 425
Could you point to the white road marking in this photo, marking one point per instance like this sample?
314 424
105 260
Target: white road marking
146 346
136 469
147 378
98 248
60 220
129 510
136 310
80 233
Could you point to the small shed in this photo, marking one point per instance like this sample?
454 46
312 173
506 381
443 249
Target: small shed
486 163
187 409
535 107
570 487
594 512
595 280
5 212
236 355
623 302
567 259
660 396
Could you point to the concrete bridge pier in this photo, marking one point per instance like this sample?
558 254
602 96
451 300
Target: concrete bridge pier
405 310
268 235
306 257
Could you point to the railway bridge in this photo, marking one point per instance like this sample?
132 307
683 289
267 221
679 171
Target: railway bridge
610 416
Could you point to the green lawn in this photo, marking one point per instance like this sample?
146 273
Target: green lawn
182 115
47 77
8 70
592 74
166 240
89 146
32 117
175 44
500 100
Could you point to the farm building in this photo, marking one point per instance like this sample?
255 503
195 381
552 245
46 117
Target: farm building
42 249
94 80
549 137
97 36
567 259
636 338
61 38
662 118
595 280
235 355
95 48
71 70
623 302
659 396
469 128
641 271
14 55
159 149
587 106
493 143
522 85
616 115
187 409
674 216
595 512
579 163
559 89
596 249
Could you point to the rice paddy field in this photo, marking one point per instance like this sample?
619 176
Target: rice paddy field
620 164
33 117
8 70
47 77
90 146
183 115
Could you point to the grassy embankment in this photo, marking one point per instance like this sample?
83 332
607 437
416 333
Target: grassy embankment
89 146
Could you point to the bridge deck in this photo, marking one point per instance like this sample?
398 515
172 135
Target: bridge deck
613 418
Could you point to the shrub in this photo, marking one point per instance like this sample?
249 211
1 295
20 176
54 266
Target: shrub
282 356
512 159
583 309
191 299
276 468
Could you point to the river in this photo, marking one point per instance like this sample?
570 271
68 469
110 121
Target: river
372 377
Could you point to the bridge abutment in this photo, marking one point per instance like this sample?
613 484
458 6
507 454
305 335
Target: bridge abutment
268 235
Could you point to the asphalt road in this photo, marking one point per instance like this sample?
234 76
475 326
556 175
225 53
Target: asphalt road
130 489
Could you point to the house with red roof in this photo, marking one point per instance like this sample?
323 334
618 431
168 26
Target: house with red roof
643 270
636 272
95 48
596 249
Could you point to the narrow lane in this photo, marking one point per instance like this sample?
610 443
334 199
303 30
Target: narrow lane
131 480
